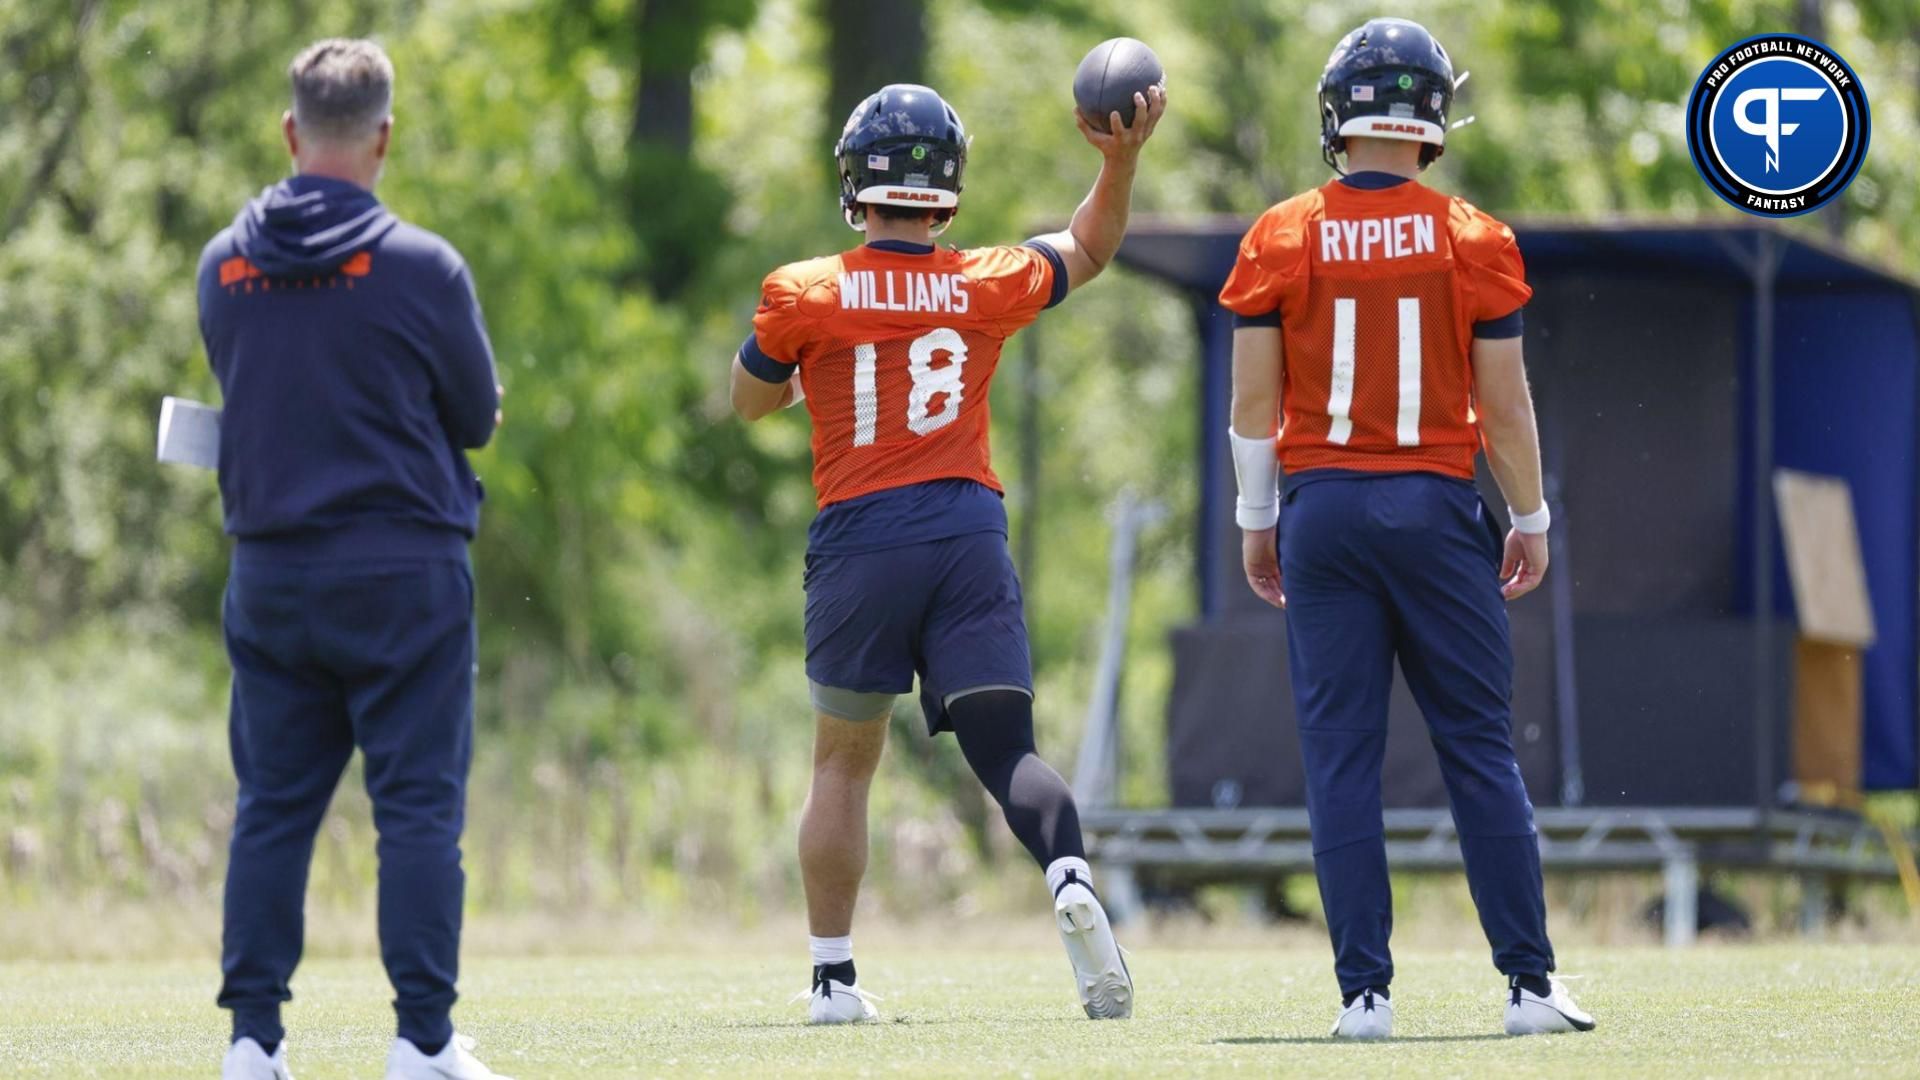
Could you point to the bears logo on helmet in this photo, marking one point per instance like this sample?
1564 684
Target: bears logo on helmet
903 146
1389 79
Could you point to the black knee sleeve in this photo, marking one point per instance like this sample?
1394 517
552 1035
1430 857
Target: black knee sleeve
995 730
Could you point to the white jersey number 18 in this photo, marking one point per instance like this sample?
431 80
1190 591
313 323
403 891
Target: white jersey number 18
927 382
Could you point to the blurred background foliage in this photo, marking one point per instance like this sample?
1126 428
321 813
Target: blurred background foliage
619 174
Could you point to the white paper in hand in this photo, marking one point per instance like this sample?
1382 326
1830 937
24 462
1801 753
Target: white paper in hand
189 433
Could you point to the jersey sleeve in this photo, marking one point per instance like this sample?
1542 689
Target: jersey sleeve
1495 275
1017 283
1269 266
772 351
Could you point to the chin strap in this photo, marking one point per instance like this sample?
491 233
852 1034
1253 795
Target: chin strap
1332 159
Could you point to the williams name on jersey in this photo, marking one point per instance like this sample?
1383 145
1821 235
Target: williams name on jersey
904 290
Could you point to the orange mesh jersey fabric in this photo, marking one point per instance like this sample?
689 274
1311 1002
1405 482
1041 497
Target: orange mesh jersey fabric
896 353
1377 292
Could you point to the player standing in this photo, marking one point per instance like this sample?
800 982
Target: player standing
1378 329
896 343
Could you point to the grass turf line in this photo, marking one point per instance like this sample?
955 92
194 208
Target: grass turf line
1786 1010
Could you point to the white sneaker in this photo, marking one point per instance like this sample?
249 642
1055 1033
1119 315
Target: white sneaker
1370 1016
455 1061
1099 971
1530 1014
835 1002
247 1061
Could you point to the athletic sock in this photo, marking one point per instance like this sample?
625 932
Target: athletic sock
1537 985
1378 991
429 1049
1066 869
830 950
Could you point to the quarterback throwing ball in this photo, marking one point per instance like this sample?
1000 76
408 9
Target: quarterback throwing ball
908 576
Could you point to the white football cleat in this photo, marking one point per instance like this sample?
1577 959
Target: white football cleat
835 1002
247 1061
455 1061
1370 1016
1099 971
1530 1014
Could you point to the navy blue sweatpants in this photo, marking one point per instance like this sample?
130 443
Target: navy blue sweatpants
327 657
1406 566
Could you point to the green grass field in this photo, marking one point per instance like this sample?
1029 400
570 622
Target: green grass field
1779 1010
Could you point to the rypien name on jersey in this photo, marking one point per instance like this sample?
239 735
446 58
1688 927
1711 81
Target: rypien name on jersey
1376 238
876 290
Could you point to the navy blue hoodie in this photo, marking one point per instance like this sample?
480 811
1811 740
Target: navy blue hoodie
355 373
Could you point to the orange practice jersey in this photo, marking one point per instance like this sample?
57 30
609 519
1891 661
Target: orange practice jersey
896 353
1377 292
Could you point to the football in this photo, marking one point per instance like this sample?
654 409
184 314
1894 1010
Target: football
1111 74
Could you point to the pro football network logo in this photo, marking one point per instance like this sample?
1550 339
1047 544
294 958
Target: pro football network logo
1778 125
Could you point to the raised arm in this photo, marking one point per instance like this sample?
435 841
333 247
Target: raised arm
1100 223
1505 408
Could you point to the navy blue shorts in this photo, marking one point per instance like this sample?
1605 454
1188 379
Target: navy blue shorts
947 610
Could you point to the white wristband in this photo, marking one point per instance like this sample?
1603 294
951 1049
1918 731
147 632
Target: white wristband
1256 468
1532 524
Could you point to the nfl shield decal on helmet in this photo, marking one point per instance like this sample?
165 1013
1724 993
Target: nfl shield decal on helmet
1778 125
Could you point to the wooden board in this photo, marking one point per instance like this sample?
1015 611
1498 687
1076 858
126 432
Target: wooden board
1823 558
1826 723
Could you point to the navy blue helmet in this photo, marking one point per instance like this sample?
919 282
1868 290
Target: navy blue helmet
903 146
1390 79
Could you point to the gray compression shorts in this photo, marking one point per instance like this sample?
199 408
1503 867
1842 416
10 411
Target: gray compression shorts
861 706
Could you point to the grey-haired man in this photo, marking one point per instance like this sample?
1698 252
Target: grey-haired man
355 372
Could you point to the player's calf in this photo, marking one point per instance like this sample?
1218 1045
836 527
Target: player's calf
995 729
